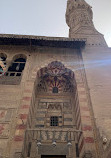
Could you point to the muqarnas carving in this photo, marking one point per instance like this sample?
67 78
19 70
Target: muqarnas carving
55 78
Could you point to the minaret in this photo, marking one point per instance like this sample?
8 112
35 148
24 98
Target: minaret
79 18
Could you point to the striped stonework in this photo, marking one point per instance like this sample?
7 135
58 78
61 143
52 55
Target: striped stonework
36 112
86 140
22 118
43 114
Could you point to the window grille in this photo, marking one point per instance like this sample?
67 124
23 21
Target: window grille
55 90
53 121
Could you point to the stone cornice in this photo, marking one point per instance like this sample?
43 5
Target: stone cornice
61 42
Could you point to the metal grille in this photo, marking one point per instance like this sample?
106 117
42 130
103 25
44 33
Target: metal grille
53 121
55 90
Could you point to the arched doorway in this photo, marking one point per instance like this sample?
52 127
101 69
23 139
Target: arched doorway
53 127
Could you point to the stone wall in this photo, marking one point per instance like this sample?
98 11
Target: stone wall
97 62
17 99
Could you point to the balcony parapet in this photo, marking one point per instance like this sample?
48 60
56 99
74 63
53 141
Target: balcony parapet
7 79
56 134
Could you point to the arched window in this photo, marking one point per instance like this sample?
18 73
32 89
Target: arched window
14 72
17 67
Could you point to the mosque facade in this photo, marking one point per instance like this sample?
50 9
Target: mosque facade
55 92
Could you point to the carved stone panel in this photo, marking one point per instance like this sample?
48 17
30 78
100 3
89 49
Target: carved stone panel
4 130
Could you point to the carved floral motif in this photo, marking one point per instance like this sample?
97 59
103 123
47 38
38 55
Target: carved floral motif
4 130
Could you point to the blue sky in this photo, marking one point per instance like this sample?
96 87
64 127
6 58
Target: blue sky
47 17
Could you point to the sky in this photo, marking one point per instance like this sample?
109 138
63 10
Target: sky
47 17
